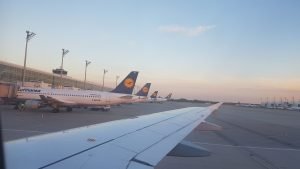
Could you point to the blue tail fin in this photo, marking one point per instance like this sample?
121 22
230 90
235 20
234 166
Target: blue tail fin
127 85
154 95
145 90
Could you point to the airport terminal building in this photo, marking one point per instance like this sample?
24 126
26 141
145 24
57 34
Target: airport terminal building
12 73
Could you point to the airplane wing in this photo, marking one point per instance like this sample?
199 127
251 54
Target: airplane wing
136 143
52 100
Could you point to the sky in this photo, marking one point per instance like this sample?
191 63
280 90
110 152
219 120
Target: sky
234 50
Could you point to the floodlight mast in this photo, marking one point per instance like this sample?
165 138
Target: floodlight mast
104 72
29 35
64 52
86 65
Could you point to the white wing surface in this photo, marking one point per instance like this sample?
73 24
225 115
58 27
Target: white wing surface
137 143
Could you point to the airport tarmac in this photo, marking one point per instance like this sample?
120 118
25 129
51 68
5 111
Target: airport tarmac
252 138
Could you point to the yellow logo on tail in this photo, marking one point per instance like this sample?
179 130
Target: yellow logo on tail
145 89
129 83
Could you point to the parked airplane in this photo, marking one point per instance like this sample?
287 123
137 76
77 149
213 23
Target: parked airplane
294 106
155 99
56 98
168 97
134 143
141 96
153 96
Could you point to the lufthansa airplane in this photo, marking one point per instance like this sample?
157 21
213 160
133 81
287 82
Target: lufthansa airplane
141 96
57 98
155 99
134 143
161 99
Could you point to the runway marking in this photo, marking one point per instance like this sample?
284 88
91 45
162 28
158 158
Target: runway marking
17 130
249 147
283 142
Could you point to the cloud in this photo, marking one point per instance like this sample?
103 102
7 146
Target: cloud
188 31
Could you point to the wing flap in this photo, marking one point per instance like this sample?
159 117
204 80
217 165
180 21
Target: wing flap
155 153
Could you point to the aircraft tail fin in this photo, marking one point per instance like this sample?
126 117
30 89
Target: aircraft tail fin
127 85
169 96
154 95
144 90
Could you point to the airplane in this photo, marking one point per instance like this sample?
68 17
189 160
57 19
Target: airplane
156 99
153 97
160 99
57 98
133 143
141 95
168 97
294 106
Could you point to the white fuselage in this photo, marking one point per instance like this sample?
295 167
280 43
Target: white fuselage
157 100
74 97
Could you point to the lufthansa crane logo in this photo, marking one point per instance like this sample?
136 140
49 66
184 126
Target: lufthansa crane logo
129 83
145 89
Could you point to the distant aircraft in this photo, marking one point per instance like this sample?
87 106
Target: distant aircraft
134 143
141 96
294 106
169 96
154 94
57 98
155 99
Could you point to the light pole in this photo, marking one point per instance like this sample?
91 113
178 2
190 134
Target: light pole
104 72
117 78
29 35
64 52
86 64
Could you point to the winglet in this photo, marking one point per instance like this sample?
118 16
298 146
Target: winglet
127 85
145 90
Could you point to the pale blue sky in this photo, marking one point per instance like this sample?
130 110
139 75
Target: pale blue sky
223 50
